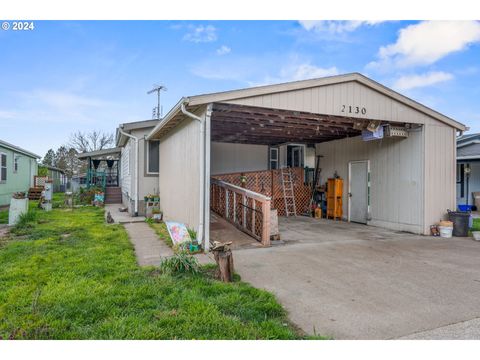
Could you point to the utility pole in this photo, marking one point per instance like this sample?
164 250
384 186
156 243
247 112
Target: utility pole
157 111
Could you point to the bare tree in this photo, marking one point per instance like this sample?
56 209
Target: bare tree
90 141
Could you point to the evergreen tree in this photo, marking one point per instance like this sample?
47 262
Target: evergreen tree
49 158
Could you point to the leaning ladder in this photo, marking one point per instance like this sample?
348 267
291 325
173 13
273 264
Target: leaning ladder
288 193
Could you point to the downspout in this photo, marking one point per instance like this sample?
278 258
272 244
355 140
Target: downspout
202 172
136 162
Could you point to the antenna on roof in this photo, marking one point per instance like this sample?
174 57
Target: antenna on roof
157 111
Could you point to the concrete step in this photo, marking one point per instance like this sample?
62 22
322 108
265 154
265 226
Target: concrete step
113 190
113 201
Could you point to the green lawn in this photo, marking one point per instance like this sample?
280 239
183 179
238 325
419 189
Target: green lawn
3 216
67 275
162 232
476 225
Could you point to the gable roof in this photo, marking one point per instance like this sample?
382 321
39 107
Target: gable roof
121 139
18 149
53 168
468 139
203 99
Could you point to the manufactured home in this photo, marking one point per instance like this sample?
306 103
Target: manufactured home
129 172
468 170
139 164
241 154
17 170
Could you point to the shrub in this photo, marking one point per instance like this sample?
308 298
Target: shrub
26 218
86 196
193 234
180 263
24 222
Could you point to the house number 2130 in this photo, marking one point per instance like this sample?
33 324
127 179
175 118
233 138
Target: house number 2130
354 109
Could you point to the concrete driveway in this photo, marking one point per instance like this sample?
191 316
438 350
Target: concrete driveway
351 281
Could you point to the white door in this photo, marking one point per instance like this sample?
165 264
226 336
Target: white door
358 191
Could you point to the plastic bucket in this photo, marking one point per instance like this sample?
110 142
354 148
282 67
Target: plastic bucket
445 231
460 221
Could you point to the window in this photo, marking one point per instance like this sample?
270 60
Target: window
15 163
3 167
273 158
153 154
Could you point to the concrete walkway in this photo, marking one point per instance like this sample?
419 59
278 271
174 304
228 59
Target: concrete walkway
149 249
465 330
121 217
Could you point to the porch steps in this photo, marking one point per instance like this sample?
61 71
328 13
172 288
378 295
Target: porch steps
35 193
288 192
113 195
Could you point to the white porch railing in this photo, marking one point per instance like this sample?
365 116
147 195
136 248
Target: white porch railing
247 210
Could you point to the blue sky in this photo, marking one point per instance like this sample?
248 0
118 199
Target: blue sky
79 75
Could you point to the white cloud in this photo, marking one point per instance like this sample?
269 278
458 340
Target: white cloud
306 71
336 27
415 81
255 71
201 33
427 42
297 72
223 50
65 100
7 115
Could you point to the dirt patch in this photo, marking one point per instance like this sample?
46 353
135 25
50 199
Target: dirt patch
3 231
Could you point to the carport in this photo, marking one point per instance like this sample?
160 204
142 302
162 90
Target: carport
218 151
245 197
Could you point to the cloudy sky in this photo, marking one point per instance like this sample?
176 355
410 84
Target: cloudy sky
68 76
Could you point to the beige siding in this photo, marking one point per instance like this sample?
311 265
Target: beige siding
180 173
440 167
229 158
396 177
146 184
125 173
330 99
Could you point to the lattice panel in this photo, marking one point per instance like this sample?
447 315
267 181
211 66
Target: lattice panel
39 181
269 183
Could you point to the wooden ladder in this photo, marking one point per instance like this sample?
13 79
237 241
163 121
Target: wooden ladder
288 193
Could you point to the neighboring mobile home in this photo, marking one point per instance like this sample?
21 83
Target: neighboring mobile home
58 177
468 168
17 170
403 181
139 164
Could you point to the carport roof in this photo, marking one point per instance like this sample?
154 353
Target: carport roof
257 125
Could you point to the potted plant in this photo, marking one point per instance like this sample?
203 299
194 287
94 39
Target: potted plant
145 198
156 198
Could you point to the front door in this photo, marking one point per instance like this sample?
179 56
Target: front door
297 156
358 191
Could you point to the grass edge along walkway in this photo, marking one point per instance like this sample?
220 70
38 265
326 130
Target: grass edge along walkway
67 275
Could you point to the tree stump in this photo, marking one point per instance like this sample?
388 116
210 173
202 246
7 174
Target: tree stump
224 259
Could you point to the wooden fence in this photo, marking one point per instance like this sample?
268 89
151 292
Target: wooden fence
269 183
247 210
